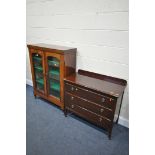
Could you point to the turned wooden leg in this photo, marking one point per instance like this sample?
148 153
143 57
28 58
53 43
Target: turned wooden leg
109 136
109 133
34 95
65 112
120 108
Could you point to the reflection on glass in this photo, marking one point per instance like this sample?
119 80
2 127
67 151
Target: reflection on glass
54 76
38 71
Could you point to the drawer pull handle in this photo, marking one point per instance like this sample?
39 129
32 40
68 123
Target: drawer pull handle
76 89
102 110
72 98
103 99
100 119
72 106
72 88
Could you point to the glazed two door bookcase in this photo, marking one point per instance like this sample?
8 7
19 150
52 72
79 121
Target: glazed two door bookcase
50 64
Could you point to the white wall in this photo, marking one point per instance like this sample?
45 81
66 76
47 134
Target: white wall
97 28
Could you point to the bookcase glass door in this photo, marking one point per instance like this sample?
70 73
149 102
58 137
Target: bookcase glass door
53 76
38 71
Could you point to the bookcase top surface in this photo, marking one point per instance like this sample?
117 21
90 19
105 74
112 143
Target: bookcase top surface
50 46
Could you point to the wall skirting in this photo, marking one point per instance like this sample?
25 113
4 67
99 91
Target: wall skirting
29 82
122 121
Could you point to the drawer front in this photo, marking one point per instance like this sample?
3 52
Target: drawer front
90 116
91 96
98 109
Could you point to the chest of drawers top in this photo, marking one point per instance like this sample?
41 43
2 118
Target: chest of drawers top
98 83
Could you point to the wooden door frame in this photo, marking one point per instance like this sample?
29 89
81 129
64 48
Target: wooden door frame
32 51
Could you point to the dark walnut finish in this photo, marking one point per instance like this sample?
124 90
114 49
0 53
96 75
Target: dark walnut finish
94 97
60 61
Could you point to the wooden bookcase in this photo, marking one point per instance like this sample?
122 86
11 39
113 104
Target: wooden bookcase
50 64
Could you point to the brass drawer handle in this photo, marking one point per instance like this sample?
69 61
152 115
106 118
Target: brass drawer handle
102 110
103 100
72 106
74 88
100 119
72 98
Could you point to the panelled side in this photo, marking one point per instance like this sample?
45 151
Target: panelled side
70 63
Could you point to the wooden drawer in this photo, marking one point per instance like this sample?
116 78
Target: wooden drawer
90 116
91 96
98 109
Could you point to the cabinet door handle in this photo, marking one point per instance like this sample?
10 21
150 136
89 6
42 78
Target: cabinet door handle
103 99
72 98
76 89
72 88
72 106
102 110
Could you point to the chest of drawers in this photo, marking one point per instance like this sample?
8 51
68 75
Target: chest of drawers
93 97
